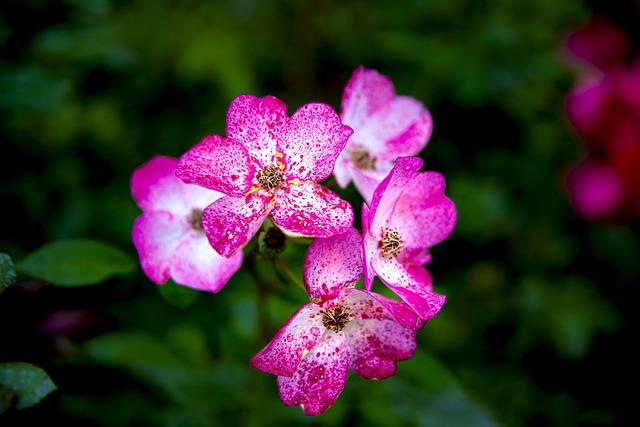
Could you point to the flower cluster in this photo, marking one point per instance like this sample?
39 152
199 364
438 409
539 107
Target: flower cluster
201 210
604 109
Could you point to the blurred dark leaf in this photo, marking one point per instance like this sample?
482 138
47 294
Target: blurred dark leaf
178 295
568 313
7 272
76 262
30 383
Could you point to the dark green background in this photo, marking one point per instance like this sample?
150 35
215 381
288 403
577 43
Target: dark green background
538 326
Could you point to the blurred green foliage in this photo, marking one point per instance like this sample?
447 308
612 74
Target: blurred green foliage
538 319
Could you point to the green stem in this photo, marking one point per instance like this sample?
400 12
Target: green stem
285 268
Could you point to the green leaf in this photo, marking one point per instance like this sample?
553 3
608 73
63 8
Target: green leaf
30 383
6 396
76 262
178 295
7 273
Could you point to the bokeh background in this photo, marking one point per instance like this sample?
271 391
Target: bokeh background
538 328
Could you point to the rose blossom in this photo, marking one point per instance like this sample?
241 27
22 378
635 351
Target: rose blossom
168 235
341 328
408 213
385 126
269 163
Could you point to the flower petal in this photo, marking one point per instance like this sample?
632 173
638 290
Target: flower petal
387 195
197 265
220 164
401 127
231 222
369 247
412 284
377 340
255 123
154 185
597 189
320 377
311 141
365 305
331 263
423 216
156 235
367 183
309 209
365 92
287 348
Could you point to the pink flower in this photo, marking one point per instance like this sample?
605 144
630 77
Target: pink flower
341 328
408 213
168 235
596 189
605 112
385 126
600 42
269 164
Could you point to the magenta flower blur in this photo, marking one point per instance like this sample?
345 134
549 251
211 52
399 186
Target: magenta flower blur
341 328
600 42
408 213
604 109
270 163
168 235
385 126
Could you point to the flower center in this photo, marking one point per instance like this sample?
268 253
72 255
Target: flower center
362 158
391 243
336 318
270 177
195 219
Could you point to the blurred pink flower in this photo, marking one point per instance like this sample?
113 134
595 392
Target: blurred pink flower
605 111
168 235
269 163
385 126
341 328
600 42
408 213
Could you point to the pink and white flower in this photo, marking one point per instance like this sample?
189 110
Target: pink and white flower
408 213
168 235
341 328
385 126
270 163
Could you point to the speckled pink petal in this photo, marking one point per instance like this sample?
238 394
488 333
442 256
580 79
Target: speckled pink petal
255 123
365 92
415 257
378 341
311 141
369 247
220 164
412 284
309 209
332 263
231 222
386 196
156 236
155 187
401 127
423 216
285 351
320 377
197 265
366 305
